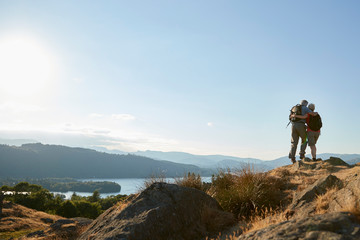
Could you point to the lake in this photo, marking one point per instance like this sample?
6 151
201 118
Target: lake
128 185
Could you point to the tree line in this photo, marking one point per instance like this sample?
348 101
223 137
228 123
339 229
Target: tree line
66 184
41 199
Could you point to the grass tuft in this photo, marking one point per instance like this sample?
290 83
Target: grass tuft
153 179
245 191
322 201
190 180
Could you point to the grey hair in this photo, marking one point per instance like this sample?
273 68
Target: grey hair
304 103
311 106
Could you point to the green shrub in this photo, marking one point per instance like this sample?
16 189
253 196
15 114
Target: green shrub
67 209
88 209
245 191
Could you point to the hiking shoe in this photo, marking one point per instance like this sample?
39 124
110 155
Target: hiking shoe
293 160
302 156
314 159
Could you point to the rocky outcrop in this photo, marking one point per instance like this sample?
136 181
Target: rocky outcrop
348 197
335 226
304 202
162 211
336 162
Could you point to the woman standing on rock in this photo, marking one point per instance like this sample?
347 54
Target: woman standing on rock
314 124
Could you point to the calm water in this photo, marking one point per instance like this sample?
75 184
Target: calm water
128 185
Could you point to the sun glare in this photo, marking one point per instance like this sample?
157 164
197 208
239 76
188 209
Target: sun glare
26 67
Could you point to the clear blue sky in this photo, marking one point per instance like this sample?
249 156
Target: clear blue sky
205 77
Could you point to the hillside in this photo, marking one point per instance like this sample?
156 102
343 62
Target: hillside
41 161
320 200
21 222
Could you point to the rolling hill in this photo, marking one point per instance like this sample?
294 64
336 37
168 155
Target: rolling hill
41 161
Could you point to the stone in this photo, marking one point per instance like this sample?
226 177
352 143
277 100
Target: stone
81 221
336 162
39 233
58 224
47 220
320 227
302 165
347 197
319 187
164 212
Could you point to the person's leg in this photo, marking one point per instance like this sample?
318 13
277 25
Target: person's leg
313 152
314 149
301 128
294 142
311 143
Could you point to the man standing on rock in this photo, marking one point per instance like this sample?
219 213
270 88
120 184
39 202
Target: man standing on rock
313 128
298 129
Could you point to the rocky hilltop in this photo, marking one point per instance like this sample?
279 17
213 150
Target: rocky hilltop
320 200
325 203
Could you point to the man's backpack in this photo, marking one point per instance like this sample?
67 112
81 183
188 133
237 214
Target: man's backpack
315 122
295 110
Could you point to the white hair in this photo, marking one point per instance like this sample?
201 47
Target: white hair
311 106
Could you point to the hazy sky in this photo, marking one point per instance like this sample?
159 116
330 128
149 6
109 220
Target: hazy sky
204 77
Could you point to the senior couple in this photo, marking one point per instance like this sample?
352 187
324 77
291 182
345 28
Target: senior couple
300 128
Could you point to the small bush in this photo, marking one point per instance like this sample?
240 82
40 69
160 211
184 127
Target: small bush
244 192
67 209
190 180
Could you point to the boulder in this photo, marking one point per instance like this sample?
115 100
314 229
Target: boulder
336 226
336 162
47 220
162 211
59 223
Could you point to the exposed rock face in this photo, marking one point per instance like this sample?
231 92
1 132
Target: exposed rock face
347 197
162 211
303 202
318 188
335 226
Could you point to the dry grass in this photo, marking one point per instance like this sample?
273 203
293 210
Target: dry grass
353 208
15 234
322 201
190 180
244 191
153 179
263 218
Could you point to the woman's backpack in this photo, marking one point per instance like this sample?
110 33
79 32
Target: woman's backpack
315 122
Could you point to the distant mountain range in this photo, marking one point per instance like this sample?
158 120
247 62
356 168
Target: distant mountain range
221 161
39 160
